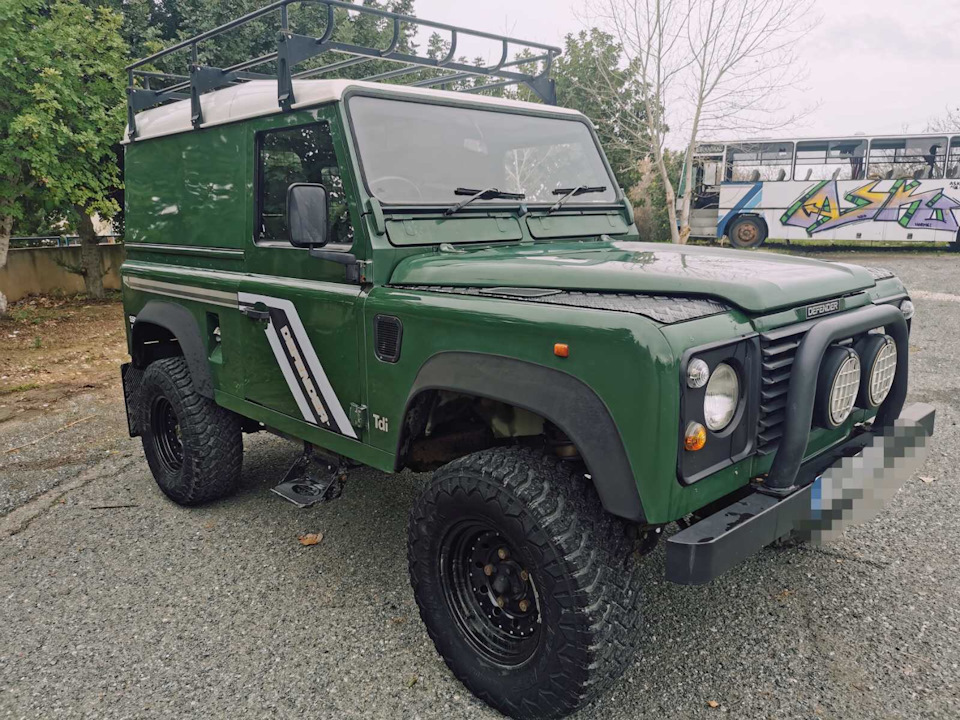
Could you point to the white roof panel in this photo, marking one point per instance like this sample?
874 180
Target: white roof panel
257 98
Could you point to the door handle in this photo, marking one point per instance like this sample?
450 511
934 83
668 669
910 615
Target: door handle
254 314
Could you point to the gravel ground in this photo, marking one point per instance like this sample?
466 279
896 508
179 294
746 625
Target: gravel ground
155 611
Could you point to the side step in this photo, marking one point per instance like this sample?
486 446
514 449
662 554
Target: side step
314 477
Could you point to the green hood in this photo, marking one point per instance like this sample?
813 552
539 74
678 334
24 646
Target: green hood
756 282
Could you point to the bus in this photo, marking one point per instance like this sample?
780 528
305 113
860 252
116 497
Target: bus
894 188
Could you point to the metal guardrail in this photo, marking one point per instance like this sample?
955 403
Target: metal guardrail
293 49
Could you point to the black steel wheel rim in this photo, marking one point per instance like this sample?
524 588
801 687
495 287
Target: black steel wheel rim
166 434
490 593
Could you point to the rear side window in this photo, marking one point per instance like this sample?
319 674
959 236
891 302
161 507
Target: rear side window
830 160
302 154
917 158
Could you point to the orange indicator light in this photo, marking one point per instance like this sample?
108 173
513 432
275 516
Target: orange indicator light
561 350
695 437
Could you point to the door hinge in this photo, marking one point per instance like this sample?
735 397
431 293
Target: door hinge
358 416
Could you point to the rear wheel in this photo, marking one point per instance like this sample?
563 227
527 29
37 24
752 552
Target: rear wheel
747 231
955 245
193 446
527 587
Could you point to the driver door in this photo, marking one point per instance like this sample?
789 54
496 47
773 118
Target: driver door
301 350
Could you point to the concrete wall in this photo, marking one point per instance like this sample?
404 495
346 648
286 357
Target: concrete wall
36 270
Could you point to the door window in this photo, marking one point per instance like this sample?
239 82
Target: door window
303 154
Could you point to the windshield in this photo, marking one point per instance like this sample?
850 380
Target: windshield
418 153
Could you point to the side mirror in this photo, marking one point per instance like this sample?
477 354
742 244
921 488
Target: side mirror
307 214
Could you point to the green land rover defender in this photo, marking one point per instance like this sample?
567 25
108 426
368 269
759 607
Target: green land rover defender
406 277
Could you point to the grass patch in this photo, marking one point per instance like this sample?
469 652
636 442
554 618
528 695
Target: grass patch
23 387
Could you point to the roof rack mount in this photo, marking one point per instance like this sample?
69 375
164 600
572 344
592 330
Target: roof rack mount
293 49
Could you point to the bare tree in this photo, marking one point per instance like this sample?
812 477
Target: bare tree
947 123
709 66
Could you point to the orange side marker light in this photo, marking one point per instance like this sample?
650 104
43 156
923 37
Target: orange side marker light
561 350
695 437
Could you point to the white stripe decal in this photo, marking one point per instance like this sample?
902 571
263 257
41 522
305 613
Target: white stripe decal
329 395
183 292
288 374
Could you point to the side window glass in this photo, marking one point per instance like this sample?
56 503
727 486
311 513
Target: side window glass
916 158
830 160
756 162
302 154
953 161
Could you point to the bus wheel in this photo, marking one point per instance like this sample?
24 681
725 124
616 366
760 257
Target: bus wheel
747 232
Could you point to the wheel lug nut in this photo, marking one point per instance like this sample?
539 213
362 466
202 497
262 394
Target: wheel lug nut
524 605
500 601
524 575
503 554
488 570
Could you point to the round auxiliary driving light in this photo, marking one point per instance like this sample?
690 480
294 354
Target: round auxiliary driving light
878 354
906 307
698 372
722 397
838 386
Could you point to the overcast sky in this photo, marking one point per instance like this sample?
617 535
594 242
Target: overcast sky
874 65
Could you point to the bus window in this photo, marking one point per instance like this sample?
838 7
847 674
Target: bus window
917 158
755 162
953 161
830 160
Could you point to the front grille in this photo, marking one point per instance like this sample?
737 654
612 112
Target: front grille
777 350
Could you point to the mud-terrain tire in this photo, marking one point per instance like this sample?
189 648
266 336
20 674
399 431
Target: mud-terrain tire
746 231
193 446
572 561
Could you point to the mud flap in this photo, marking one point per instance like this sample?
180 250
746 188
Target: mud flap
313 477
132 378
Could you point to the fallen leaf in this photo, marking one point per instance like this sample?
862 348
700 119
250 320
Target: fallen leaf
927 480
412 681
310 538
713 703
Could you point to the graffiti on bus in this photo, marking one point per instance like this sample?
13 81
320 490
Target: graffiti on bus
819 208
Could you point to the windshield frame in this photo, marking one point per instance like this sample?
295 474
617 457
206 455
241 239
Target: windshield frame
458 101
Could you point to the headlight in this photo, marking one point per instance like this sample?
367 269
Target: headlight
878 354
906 307
838 386
722 397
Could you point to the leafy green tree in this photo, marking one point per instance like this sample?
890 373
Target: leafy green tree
591 60
61 112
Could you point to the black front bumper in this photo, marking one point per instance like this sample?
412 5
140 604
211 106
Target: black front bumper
845 485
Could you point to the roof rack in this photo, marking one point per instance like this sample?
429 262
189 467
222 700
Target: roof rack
293 49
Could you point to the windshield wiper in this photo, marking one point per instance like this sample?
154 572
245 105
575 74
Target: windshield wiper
486 194
573 192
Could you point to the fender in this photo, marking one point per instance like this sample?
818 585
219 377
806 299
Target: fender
181 323
561 398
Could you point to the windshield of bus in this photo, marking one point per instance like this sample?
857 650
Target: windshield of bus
414 153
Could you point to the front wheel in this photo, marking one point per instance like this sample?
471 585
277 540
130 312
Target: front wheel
527 587
746 232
